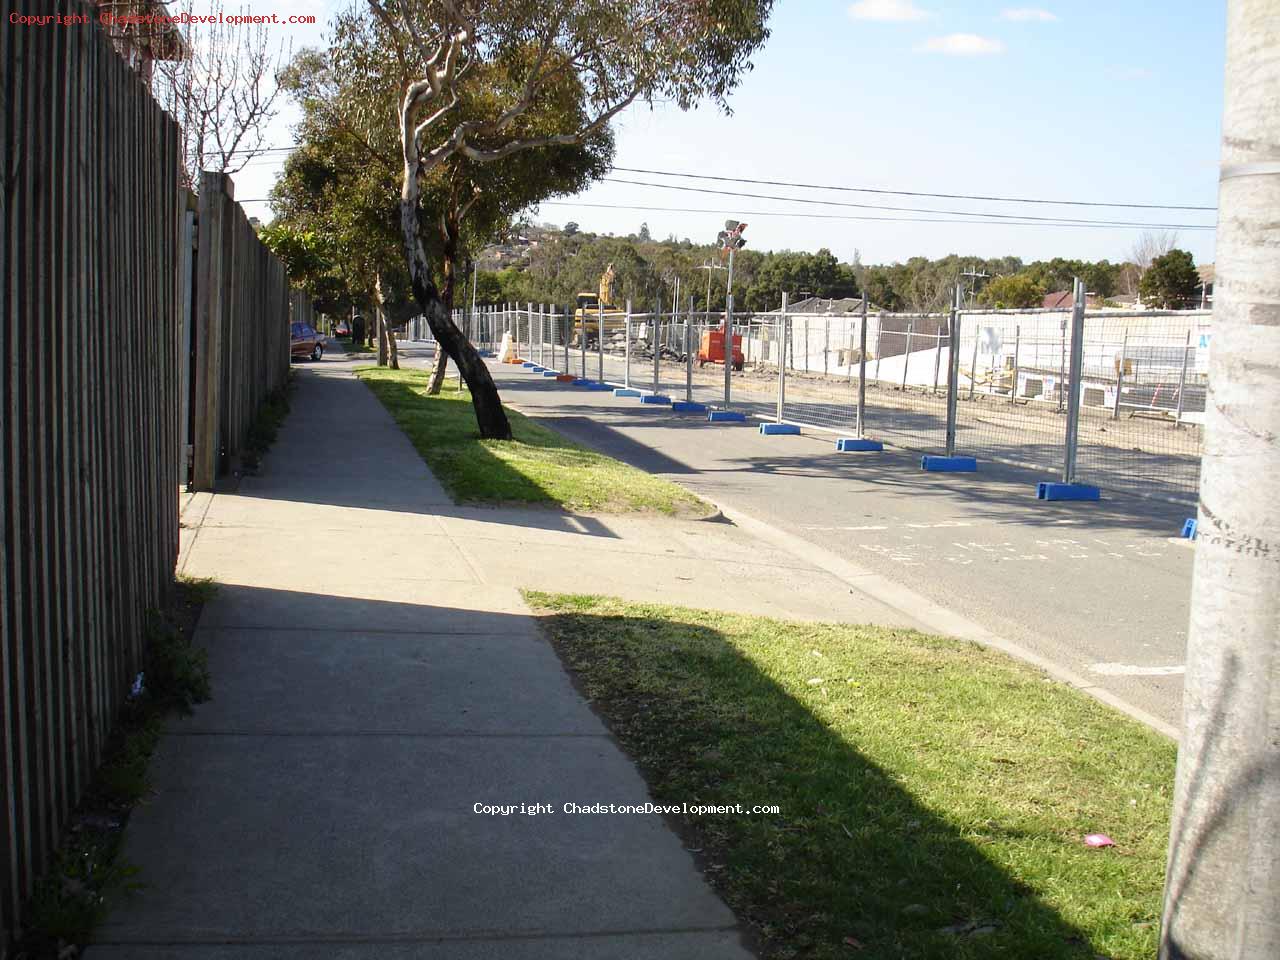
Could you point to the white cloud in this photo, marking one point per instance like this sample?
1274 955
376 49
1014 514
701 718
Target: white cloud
1027 15
961 45
893 11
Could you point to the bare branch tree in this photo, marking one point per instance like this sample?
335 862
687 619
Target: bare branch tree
1152 244
222 93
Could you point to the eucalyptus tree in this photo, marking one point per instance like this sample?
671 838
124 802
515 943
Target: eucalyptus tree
476 73
346 171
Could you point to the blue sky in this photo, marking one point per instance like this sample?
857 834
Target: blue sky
1080 100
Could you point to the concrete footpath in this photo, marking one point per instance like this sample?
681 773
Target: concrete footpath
376 675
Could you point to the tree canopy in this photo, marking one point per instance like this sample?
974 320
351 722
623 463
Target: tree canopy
491 81
1171 281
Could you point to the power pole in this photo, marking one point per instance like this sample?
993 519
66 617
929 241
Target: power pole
974 275
1222 888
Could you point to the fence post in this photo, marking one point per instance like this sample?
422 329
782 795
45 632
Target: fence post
656 326
582 337
862 367
879 333
782 367
906 357
826 345
626 350
600 339
1124 358
953 371
1182 380
937 360
1073 384
1017 350
688 355
728 345
1062 358
973 365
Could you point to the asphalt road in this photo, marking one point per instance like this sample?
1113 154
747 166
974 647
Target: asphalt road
1101 589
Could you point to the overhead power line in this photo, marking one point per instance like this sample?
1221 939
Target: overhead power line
915 193
846 216
872 190
808 215
873 206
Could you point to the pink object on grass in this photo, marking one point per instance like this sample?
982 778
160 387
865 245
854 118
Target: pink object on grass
1098 840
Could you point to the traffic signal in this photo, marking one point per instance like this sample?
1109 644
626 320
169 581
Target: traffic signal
730 238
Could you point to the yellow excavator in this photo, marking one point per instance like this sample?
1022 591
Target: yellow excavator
588 315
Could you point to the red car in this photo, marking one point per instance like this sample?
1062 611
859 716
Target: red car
304 342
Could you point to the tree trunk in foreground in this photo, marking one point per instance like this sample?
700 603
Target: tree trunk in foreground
490 417
388 352
1222 888
449 256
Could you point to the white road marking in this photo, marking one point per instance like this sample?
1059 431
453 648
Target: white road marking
847 528
1129 670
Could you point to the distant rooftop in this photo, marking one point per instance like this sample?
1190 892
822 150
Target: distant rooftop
820 305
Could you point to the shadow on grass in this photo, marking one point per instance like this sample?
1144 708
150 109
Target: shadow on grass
540 467
855 864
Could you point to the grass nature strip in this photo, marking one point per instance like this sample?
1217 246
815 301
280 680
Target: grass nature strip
934 795
538 467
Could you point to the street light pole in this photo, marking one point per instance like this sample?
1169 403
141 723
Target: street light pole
730 239
728 330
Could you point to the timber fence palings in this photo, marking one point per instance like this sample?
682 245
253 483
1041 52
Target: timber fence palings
89 469
104 339
244 308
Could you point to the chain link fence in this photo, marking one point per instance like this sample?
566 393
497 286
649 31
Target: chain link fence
1138 384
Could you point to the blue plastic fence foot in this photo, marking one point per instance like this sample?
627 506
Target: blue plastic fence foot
627 392
551 373
779 430
1067 491
536 369
528 364
655 398
853 444
1189 529
687 406
582 382
949 464
726 416
599 386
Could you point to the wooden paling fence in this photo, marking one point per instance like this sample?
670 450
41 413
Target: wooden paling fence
243 309
88 351
117 347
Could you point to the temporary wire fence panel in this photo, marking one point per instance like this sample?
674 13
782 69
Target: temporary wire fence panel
906 371
1143 389
89 440
821 355
1011 392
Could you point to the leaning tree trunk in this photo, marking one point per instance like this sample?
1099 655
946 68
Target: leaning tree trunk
388 352
449 255
490 417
